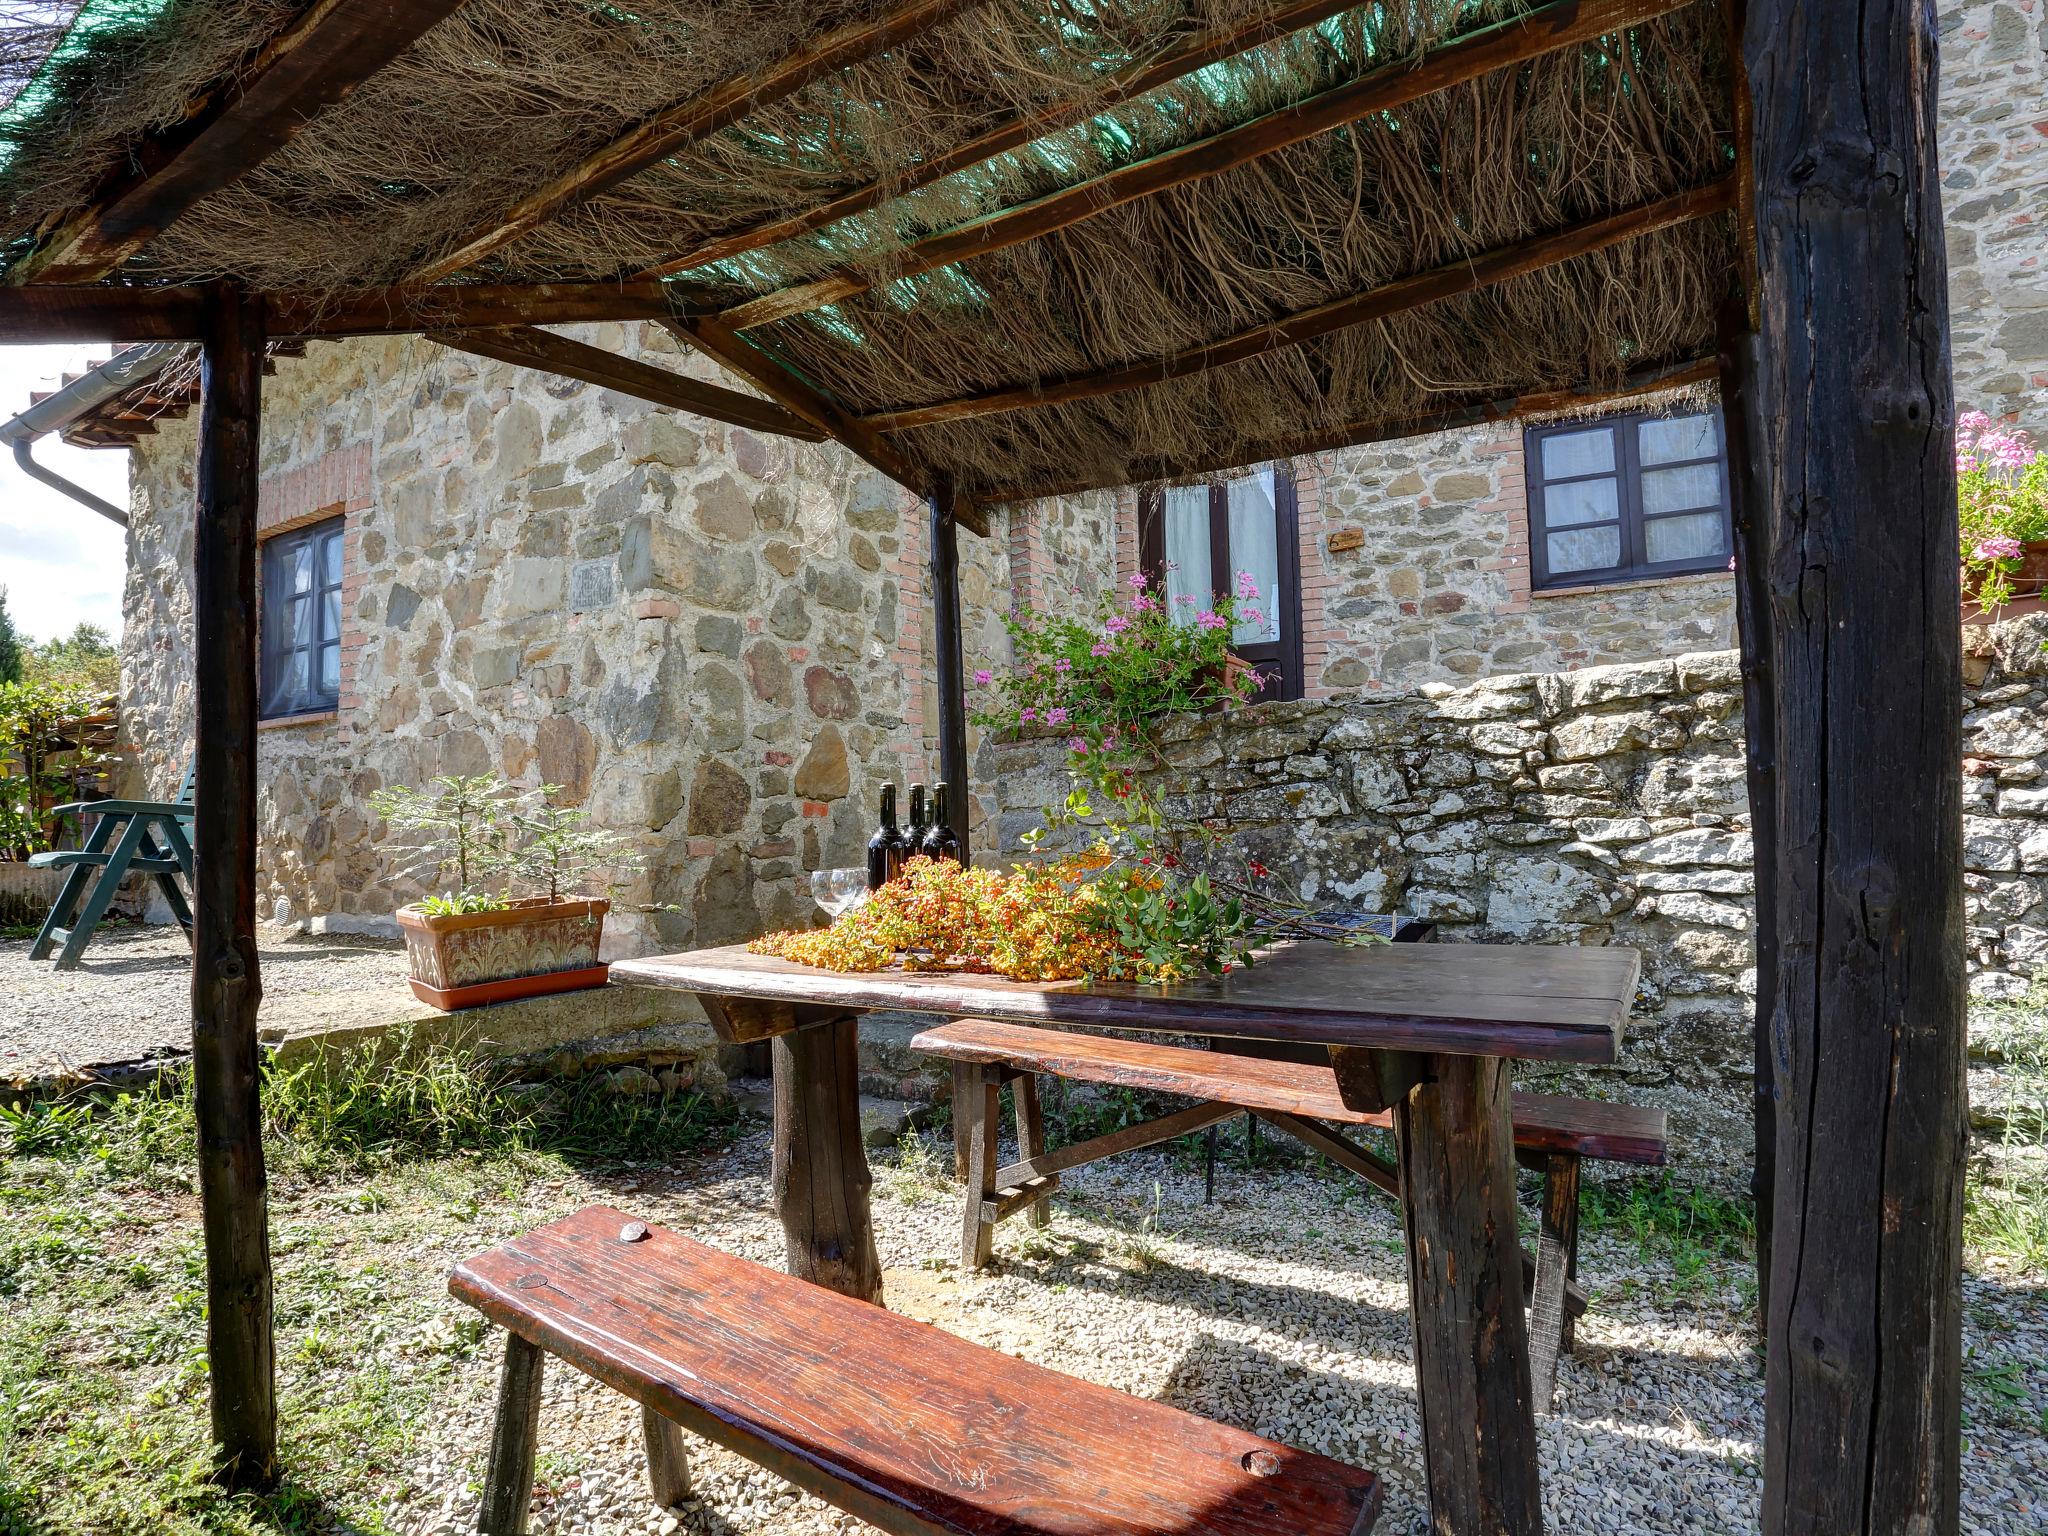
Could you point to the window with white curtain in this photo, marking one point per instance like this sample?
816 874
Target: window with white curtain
1625 497
300 650
1197 540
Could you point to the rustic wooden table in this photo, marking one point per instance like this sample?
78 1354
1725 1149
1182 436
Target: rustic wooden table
1425 1030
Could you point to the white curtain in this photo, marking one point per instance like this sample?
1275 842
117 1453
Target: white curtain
1255 551
1185 514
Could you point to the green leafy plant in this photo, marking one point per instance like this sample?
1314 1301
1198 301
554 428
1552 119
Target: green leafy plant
1178 893
462 817
554 851
463 901
2001 503
42 751
501 842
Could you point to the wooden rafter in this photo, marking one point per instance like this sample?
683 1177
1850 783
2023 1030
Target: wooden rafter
780 383
1464 276
526 347
1127 84
177 314
1381 429
1565 24
312 64
700 116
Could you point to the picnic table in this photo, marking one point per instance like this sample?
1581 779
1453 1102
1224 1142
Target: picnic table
1425 1031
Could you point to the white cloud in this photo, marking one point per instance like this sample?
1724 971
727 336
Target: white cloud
61 563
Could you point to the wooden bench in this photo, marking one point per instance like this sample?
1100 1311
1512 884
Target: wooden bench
1552 1134
893 1421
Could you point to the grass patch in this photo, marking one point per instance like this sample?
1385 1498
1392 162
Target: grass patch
359 1111
2005 1211
383 1172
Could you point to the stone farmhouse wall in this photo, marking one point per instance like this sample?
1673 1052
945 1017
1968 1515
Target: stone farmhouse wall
1994 161
1415 555
1603 806
715 640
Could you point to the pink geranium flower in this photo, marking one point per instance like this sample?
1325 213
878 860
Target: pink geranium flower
1077 746
1997 546
983 676
1116 624
1209 619
1137 581
1246 585
1102 648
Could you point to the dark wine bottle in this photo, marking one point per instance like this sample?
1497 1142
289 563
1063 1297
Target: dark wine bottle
919 824
940 841
888 848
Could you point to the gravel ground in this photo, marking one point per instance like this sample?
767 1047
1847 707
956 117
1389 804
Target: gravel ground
1279 1309
132 993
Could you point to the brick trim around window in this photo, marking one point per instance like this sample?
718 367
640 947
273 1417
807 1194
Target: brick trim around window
335 483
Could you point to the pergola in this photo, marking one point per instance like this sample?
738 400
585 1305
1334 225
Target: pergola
1007 249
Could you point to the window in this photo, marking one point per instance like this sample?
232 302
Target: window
301 648
1627 497
1194 539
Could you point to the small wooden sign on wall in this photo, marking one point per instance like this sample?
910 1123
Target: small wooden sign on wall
1346 538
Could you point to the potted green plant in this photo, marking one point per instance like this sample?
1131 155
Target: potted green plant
526 913
2002 502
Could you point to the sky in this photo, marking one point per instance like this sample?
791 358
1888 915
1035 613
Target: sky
61 563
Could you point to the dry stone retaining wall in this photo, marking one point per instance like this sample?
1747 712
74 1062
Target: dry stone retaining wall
1604 806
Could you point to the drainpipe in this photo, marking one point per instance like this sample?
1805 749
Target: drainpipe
119 373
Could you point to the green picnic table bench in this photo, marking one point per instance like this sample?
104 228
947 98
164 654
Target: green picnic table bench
153 836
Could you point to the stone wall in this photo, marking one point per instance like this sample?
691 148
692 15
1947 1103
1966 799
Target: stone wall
714 639
1994 163
1603 806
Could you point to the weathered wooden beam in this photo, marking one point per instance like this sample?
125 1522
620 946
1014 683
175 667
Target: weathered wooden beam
1500 46
313 63
101 314
54 314
673 128
1454 1145
1862 1394
943 554
1127 84
465 306
820 1173
1377 429
1422 288
780 383
1749 519
526 347
226 985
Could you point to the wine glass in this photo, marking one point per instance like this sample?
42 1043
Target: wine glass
838 889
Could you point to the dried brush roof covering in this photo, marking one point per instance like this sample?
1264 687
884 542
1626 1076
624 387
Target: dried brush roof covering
505 96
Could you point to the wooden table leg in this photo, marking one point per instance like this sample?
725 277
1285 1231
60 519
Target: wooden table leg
821 1164
1457 1161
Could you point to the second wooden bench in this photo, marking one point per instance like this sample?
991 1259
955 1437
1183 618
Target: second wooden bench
1552 1133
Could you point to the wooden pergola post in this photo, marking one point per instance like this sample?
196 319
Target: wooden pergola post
952 680
225 984
1748 507
1856 459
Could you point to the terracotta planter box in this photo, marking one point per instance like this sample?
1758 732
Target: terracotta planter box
525 950
2029 588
